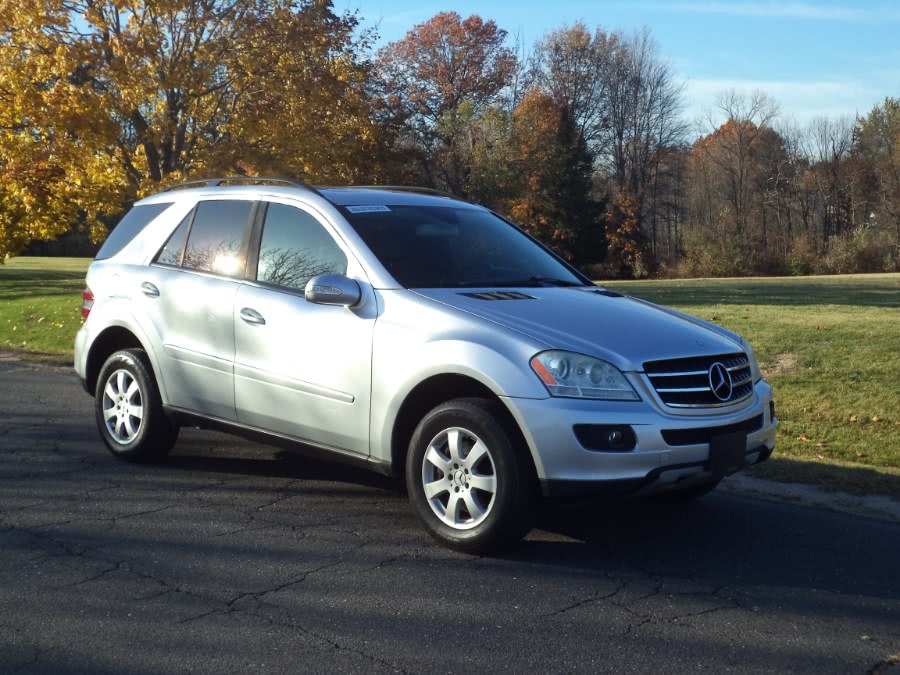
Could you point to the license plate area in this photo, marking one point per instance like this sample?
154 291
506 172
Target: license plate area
727 452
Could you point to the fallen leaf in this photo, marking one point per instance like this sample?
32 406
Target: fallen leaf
822 328
875 418
821 445
802 438
853 418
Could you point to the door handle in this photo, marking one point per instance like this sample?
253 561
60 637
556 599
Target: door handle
252 316
150 290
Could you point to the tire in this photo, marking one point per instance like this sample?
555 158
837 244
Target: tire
688 494
479 502
128 409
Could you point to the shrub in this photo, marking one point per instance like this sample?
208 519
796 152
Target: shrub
862 249
710 256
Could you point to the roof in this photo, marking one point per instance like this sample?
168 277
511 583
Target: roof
358 196
339 196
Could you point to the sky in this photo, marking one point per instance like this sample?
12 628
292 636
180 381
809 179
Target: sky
814 57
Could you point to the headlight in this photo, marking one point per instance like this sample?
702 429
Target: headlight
578 376
755 372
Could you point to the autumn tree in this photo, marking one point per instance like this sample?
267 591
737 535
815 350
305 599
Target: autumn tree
731 150
443 69
571 64
553 199
103 101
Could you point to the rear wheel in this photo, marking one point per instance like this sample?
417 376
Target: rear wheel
469 483
128 409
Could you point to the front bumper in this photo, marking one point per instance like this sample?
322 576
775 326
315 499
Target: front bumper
565 467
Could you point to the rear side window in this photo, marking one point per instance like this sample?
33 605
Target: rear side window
171 252
216 237
128 228
295 247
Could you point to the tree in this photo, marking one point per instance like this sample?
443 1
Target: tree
878 138
426 78
553 200
102 101
732 149
571 65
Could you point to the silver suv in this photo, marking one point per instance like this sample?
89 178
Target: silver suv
417 335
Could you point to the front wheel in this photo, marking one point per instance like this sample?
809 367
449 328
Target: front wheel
469 483
128 409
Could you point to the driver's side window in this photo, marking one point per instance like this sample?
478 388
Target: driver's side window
294 247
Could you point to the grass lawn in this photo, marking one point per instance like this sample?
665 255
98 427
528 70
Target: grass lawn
830 347
40 306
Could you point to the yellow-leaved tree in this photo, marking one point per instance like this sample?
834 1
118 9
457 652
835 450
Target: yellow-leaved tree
103 101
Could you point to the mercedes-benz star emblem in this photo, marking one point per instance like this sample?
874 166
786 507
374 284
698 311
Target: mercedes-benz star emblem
720 381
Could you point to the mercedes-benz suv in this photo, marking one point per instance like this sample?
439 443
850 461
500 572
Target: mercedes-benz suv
415 334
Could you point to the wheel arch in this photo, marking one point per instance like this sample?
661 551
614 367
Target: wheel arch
109 341
433 391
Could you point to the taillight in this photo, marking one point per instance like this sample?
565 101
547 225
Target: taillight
87 302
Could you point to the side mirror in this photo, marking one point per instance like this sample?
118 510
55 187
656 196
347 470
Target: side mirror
333 289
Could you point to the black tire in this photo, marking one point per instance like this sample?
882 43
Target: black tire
509 512
688 494
144 438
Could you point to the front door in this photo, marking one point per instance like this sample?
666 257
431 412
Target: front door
302 369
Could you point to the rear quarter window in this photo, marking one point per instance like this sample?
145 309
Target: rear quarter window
128 228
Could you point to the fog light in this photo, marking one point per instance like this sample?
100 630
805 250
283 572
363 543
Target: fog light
605 437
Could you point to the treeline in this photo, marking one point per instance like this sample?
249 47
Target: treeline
582 139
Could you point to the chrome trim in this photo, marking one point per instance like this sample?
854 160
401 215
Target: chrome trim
710 405
684 390
684 374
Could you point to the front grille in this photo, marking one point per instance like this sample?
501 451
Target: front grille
685 383
704 434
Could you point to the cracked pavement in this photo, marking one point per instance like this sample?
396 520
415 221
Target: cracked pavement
235 555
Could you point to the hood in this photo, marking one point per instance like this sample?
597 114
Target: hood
623 330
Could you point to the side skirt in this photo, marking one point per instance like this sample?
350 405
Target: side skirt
297 445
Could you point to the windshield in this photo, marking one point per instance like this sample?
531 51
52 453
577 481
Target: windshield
447 247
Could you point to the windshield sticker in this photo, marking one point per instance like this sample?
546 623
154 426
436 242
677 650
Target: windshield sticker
367 209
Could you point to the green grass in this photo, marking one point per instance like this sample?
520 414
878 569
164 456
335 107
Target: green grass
831 349
830 346
40 301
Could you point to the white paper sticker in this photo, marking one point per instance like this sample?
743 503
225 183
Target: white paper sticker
367 209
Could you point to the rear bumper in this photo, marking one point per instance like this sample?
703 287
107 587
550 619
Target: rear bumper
566 468
81 351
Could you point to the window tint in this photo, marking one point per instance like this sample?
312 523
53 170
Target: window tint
216 236
444 246
295 248
171 252
128 228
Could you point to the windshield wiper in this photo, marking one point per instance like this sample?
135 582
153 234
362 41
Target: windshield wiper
555 282
512 283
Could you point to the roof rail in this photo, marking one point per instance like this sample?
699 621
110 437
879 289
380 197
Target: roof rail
216 182
406 188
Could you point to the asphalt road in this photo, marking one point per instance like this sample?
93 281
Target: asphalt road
234 556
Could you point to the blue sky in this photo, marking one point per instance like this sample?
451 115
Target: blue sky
814 57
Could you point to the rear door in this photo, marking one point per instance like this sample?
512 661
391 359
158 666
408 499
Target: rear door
301 369
188 294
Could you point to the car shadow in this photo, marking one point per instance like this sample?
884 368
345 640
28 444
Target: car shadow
722 539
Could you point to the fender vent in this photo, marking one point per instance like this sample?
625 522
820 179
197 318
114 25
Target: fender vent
608 293
500 295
